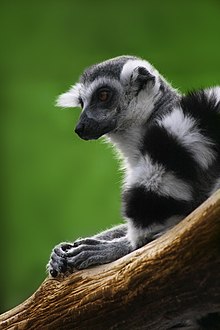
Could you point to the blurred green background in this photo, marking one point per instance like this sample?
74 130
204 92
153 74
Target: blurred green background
56 187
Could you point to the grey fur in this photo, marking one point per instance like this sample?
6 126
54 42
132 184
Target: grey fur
110 69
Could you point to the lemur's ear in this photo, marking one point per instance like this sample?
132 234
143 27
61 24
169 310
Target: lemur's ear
71 98
141 77
138 74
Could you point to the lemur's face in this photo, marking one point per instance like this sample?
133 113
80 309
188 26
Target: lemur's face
105 93
100 104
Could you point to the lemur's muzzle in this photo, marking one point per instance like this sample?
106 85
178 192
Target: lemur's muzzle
91 129
87 129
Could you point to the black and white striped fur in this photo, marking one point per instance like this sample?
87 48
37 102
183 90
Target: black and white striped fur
170 146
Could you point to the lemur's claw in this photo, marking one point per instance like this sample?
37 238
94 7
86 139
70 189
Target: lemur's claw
53 273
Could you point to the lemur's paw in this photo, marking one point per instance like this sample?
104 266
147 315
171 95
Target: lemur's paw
81 254
58 263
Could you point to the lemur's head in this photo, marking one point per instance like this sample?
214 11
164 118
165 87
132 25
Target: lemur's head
113 95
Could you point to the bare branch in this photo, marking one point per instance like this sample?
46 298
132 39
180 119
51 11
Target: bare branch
173 278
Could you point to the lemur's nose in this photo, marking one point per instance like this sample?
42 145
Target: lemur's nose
86 127
80 128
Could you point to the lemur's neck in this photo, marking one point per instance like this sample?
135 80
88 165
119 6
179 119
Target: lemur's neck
128 140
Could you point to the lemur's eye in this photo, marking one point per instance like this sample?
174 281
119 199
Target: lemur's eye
103 95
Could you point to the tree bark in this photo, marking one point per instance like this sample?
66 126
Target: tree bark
172 278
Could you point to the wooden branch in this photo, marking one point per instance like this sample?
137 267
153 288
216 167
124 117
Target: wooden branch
173 278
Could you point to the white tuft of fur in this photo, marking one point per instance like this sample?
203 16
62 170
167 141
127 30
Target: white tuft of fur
70 99
184 129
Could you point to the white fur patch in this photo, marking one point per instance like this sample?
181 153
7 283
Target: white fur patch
70 99
127 143
155 178
214 91
130 66
141 107
184 128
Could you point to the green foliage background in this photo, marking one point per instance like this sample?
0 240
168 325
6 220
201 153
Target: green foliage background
56 187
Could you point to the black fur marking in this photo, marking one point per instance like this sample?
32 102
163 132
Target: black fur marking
81 102
205 110
147 207
112 100
210 321
165 149
143 78
144 75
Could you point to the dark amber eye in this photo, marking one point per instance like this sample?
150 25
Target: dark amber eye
103 95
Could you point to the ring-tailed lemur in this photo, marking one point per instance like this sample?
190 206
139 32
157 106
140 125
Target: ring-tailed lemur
170 144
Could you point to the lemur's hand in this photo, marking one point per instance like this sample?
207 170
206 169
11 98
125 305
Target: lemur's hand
84 253
57 263
78 255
